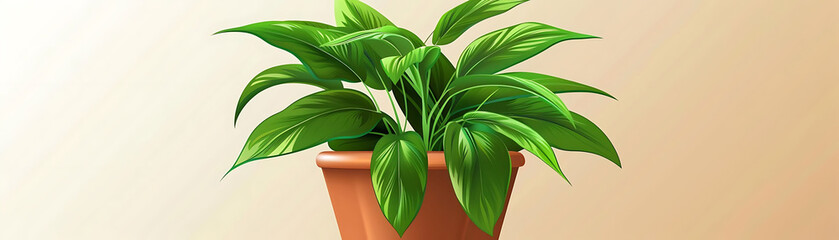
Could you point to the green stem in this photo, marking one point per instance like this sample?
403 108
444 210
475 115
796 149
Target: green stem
390 97
443 94
390 123
485 100
372 97
404 100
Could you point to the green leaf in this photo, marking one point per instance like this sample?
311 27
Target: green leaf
379 43
583 135
310 121
289 73
391 34
441 75
423 58
399 168
456 21
531 87
365 142
472 98
355 15
479 168
303 40
506 47
520 133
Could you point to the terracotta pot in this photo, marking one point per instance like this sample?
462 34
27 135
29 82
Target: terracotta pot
441 217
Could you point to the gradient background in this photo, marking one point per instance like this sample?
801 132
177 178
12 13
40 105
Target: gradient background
116 121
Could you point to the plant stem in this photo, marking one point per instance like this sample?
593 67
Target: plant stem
404 100
485 100
390 97
372 97
443 94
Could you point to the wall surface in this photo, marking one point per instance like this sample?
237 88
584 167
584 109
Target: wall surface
116 121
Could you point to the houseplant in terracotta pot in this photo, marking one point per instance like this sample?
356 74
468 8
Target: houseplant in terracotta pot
449 175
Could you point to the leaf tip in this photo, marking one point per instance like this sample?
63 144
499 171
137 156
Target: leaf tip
225 31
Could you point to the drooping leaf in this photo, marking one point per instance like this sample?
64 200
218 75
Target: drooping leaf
365 142
506 47
303 40
557 130
531 87
475 97
399 168
310 121
519 133
456 21
479 168
289 73
357 16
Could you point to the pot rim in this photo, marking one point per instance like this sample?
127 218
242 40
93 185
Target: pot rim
361 159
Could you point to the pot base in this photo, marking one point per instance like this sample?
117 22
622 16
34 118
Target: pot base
441 217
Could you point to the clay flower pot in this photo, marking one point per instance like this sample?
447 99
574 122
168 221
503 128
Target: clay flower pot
441 217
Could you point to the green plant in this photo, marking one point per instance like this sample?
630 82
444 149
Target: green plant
469 111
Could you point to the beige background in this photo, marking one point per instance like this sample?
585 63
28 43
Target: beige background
116 121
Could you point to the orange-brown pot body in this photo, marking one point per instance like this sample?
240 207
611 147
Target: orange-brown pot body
441 217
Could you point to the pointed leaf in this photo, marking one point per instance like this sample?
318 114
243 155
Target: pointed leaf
456 21
557 130
355 15
531 87
479 168
506 47
399 168
303 40
289 73
310 121
473 98
519 133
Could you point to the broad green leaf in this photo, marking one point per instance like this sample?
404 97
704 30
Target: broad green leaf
520 133
456 21
583 135
289 73
399 168
303 40
531 87
355 15
311 120
479 168
506 47
475 97
423 58
365 142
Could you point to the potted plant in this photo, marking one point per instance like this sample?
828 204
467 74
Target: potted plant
450 174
